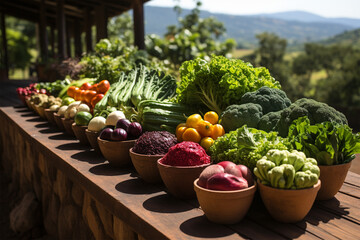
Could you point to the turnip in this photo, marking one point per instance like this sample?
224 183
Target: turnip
247 174
207 173
233 169
226 182
224 164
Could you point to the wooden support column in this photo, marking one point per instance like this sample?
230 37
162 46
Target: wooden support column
77 38
138 16
101 22
4 48
42 32
68 38
61 29
52 40
88 32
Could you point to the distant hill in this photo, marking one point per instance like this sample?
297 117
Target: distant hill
244 28
346 38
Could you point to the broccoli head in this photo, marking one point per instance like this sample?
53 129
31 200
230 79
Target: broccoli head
269 121
236 116
317 112
270 99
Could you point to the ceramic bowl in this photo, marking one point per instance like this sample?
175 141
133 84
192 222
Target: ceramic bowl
332 178
58 121
68 126
225 207
146 166
50 116
41 111
79 132
179 180
288 205
92 139
116 152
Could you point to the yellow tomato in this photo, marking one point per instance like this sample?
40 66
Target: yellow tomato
179 133
192 135
180 125
217 131
212 117
204 128
193 120
207 142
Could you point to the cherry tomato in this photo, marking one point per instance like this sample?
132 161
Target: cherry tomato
77 95
85 86
217 131
204 128
96 99
103 86
89 94
82 95
94 87
71 91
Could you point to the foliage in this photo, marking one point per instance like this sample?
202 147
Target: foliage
329 143
121 27
194 37
18 47
220 82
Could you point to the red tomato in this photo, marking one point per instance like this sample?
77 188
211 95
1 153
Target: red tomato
94 87
96 99
103 86
77 95
89 94
82 95
85 86
71 91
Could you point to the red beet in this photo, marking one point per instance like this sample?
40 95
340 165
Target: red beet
226 182
207 173
247 174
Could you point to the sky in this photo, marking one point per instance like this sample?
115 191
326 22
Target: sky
325 8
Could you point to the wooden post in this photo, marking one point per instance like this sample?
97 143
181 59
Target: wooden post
88 32
52 40
77 38
138 16
61 29
42 32
4 48
101 22
68 38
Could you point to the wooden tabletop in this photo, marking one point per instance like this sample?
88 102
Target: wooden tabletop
154 214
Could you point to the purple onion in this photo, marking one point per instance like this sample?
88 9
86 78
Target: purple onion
106 134
123 123
119 134
135 130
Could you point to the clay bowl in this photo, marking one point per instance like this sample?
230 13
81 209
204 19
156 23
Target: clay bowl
41 111
146 166
92 139
332 178
225 207
79 132
179 180
28 103
58 121
68 126
50 116
116 152
287 205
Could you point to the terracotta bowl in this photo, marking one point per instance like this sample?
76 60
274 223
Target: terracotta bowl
332 178
287 205
116 152
79 132
92 139
58 121
41 111
179 180
146 166
225 207
28 103
50 116
68 126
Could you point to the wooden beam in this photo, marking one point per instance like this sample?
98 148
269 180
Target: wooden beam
101 22
42 32
77 38
88 32
138 16
52 39
68 38
4 47
61 29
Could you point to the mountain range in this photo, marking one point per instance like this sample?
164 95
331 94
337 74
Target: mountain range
296 26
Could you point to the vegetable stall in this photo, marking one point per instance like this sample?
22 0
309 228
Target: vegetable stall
219 153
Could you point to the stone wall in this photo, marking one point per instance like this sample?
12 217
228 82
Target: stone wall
68 211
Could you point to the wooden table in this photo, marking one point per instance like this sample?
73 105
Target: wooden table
154 214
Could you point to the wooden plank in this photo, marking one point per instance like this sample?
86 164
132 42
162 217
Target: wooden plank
353 179
351 190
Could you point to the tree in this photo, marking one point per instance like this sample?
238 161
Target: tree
121 27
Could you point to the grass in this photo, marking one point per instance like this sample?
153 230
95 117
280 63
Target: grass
238 53
19 74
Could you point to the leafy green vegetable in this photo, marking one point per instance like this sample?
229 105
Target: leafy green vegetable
246 146
220 82
330 143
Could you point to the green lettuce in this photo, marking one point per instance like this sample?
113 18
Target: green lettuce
220 82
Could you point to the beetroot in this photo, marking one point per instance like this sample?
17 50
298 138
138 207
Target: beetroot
186 154
154 143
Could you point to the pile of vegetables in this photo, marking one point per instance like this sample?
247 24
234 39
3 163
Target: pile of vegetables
154 143
53 88
288 170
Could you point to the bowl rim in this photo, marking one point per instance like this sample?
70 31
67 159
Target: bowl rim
336 165
316 185
145 155
77 126
48 110
182 167
251 188
107 141
87 130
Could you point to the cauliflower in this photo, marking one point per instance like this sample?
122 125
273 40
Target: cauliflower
270 99
236 116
